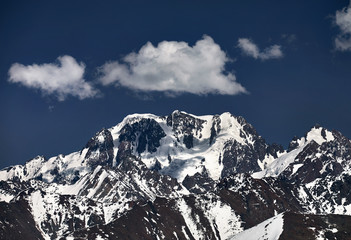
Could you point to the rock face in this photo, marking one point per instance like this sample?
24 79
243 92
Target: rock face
183 176
100 149
146 133
16 221
185 125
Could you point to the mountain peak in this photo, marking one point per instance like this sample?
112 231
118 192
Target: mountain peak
319 135
179 176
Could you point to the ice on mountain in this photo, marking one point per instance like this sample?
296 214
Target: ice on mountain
103 193
296 167
277 166
319 135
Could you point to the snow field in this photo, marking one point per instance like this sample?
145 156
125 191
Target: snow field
271 229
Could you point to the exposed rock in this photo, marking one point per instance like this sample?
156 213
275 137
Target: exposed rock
94 194
146 133
100 149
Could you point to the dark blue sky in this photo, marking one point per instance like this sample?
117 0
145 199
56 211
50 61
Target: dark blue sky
309 83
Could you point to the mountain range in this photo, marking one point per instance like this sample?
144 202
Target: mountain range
183 176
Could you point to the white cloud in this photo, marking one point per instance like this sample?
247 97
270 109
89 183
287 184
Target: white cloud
251 49
174 67
59 79
343 21
248 47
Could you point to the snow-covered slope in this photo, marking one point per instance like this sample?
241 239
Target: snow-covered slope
187 142
271 229
179 176
276 166
181 144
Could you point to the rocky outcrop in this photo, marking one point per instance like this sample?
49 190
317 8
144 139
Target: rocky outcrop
146 133
181 177
100 149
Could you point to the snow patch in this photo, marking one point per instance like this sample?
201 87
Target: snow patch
4 197
296 168
185 210
221 216
36 203
270 229
279 165
316 135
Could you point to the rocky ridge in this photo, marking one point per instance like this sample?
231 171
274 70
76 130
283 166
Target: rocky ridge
181 176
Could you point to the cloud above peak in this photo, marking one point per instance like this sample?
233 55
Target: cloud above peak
249 48
60 79
174 67
343 21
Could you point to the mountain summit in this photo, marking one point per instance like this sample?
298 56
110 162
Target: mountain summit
183 176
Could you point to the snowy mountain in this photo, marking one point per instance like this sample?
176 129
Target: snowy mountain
182 176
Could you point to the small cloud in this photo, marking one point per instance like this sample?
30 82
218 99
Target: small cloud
271 53
249 48
51 108
289 38
174 68
60 79
343 21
